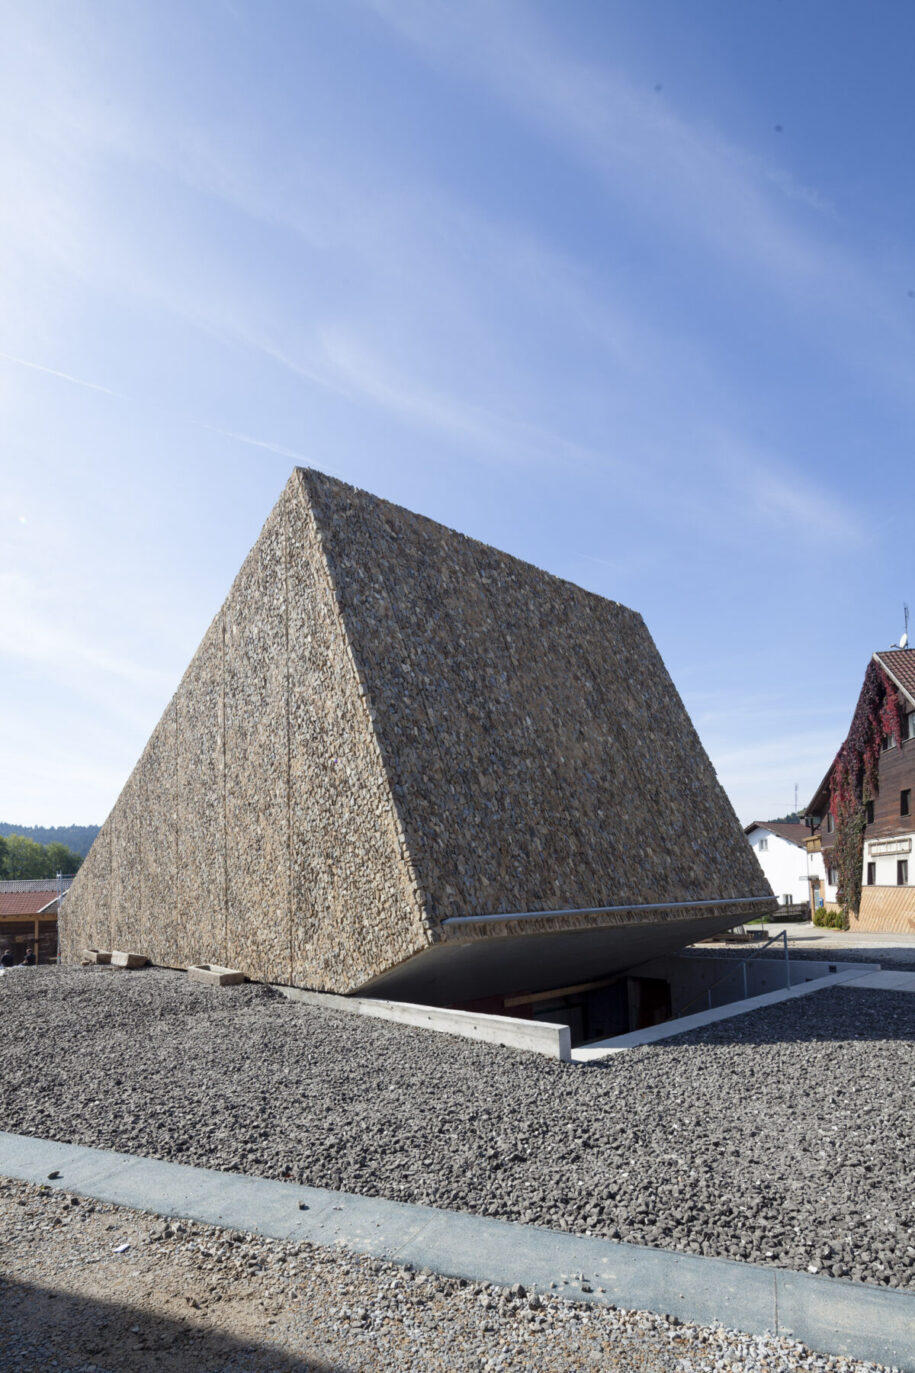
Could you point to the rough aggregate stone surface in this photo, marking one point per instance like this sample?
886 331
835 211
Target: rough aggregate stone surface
387 725
783 1137
87 1287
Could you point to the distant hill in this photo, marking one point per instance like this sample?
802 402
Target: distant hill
76 837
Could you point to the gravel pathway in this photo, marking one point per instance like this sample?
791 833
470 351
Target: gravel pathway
786 1136
91 1288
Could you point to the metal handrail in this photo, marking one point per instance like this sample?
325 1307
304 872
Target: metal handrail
742 963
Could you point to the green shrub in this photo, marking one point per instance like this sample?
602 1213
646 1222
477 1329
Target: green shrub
830 918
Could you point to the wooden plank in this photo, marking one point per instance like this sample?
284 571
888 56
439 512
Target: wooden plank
530 997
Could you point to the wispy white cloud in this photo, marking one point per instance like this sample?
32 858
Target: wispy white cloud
675 169
62 376
425 258
46 778
35 633
295 454
247 439
763 744
760 777
443 324
782 497
371 378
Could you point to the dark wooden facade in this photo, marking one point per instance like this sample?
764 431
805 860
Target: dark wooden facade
891 813
897 774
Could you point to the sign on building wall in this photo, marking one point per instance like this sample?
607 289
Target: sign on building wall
882 848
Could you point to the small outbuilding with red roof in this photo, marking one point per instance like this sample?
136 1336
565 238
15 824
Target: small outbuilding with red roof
28 917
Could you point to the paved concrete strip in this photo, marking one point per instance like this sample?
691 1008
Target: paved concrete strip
535 1036
887 981
830 1316
852 975
844 941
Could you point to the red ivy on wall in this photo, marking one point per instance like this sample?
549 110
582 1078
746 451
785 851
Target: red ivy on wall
854 776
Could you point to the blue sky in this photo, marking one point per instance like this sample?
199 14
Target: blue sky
625 289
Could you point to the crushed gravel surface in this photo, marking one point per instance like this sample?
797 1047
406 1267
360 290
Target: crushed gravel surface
785 1137
91 1288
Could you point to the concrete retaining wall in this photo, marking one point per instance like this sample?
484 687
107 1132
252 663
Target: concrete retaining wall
693 977
534 1036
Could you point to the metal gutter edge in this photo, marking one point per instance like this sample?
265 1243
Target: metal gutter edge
606 910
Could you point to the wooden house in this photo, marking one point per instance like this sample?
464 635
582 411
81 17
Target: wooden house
28 917
863 812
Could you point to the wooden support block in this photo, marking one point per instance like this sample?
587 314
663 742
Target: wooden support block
120 959
96 955
215 976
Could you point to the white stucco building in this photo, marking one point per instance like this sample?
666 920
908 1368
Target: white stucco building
780 847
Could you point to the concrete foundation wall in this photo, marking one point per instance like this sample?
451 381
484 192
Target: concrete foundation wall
691 979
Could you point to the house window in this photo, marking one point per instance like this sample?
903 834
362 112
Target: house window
888 741
911 723
871 874
763 845
830 822
902 872
905 801
869 812
831 875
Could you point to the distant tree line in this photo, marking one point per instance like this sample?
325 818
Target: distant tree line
76 837
22 858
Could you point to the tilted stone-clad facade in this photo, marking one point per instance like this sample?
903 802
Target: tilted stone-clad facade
389 728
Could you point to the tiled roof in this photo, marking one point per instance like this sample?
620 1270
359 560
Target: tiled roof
900 664
26 902
795 833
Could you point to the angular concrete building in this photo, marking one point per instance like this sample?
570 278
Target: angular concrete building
404 763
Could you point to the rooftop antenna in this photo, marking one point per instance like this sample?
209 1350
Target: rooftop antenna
795 798
903 639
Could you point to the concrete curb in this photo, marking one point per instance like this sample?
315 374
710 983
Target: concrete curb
535 1036
828 1315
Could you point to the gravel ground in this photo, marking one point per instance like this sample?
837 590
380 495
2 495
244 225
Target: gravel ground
786 1136
91 1288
